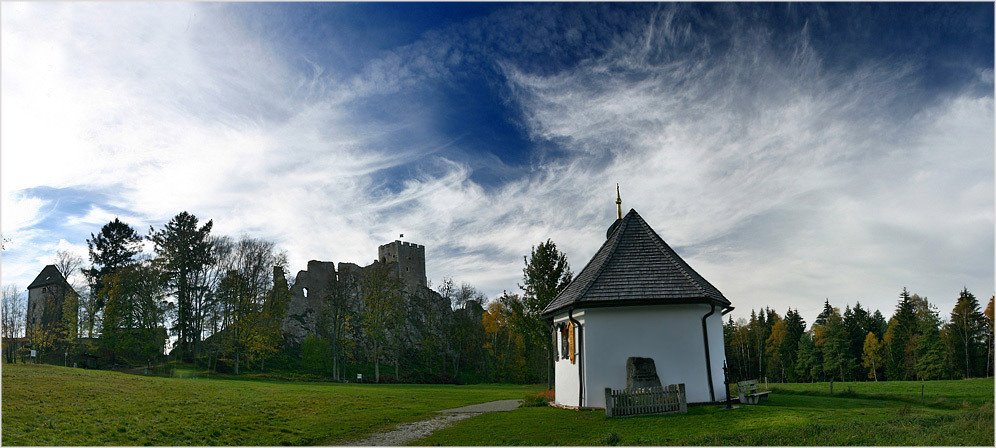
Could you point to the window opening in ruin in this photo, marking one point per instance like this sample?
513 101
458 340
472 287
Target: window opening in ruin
305 290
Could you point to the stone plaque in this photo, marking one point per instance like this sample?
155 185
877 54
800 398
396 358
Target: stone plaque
641 373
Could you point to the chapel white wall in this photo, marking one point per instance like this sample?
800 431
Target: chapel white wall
670 334
566 380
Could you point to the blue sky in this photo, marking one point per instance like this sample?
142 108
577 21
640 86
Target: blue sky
789 152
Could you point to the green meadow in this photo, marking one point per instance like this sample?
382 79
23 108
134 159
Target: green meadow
48 405
886 413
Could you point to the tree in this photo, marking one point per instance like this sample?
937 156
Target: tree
808 365
928 347
381 295
836 353
182 250
900 359
12 310
967 334
989 336
133 327
795 326
872 355
546 274
773 348
856 323
337 320
69 264
242 296
115 246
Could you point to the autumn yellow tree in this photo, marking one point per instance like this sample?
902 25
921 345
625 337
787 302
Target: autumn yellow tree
872 355
776 363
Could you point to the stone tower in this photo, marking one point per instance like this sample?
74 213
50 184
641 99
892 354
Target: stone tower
46 295
408 260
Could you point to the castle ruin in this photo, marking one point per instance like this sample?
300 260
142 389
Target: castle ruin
324 281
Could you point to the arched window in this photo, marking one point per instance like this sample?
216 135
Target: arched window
305 290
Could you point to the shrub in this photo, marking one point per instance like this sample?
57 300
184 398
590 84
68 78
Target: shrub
612 439
541 399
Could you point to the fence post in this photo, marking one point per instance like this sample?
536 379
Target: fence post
682 402
608 402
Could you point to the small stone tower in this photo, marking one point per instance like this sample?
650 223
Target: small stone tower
408 260
46 295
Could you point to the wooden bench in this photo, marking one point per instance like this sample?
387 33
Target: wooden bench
749 394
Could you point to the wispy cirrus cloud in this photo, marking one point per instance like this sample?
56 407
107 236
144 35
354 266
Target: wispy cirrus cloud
782 177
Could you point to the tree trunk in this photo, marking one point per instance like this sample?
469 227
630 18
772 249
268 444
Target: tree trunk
236 362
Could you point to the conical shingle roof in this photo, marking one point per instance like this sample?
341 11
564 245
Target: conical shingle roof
635 267
50 275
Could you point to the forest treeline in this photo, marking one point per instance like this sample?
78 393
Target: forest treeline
859 344
182 294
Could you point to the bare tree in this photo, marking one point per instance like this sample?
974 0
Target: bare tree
69 264
12 317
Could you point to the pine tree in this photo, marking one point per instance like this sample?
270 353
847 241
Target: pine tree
182 250
808 365
546 274
967 334
856 324
795 327
115 246
836 354
989 336
877 324
929 360
900 360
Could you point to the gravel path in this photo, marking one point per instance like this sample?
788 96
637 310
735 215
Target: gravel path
411 431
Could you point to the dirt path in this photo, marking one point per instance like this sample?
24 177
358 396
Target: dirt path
411 431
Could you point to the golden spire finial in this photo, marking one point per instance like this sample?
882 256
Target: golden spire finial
618 203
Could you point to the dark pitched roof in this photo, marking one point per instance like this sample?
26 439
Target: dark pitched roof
50 275
635 267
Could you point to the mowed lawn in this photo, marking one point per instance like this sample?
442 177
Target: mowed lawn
49 405
885 413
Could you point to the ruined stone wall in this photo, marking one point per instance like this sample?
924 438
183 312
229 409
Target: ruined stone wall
428 312
305 305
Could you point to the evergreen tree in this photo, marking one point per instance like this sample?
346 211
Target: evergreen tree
795 327
877 324
808 365
546 274
967 335
856 324
115 246
182 250
821 319
899 339
988 313
929 360
835 348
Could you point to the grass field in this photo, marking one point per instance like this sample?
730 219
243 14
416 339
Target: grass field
886 413
47 405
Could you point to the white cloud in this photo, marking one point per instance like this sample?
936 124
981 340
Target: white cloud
783 180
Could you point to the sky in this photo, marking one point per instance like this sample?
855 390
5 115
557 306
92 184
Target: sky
790 153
